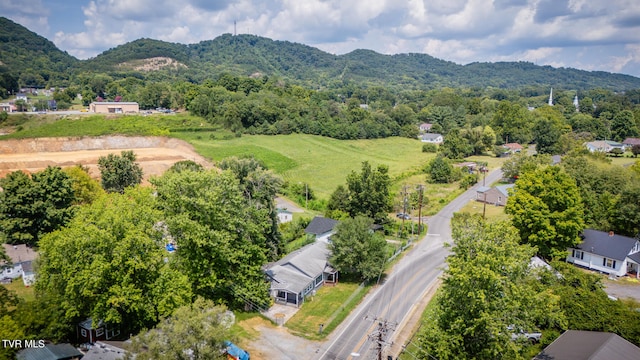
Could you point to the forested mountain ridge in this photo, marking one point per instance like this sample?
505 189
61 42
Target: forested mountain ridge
34 58
36 61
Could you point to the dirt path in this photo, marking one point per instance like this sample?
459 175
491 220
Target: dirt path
154 154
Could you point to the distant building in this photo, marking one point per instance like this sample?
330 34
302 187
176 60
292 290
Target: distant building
50 352
425 127
114 107
593 345
21 96
21 256
576 103
431 138
284 216
551 97
6 107
603 146
630 142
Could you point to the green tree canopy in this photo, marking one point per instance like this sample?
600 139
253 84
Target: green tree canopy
369 193
487 287
118 172
440 170
85 189
195 331
547 210
221 237
357 249
110 264
33 206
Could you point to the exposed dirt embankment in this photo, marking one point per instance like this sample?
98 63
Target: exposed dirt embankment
154 154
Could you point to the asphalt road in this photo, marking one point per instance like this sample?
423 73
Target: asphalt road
388 306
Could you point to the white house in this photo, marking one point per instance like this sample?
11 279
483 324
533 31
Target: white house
284 216
606 252
321 228
20 256
604 146
431 138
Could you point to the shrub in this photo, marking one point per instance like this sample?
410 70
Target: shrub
429 148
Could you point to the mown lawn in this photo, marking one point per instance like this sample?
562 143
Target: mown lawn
25 293
330 306
493 212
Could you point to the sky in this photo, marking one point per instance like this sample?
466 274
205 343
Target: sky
585 34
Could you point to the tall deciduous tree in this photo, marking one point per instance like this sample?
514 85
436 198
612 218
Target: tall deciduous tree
259 187
487 287
33 206
547 210
369 193
118 172
356 249
195 331
220 236
455 146
110 264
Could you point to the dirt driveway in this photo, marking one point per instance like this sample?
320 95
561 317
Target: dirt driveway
154 154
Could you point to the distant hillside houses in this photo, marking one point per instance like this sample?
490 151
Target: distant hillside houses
431 138
604 146
21 257
630 142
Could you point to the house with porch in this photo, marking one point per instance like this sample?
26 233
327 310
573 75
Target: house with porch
300 273
606 252
321 228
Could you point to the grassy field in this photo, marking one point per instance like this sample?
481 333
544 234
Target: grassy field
323 163
25 293
493 212
329 306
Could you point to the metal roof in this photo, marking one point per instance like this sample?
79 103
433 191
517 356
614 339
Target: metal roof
296 270
320 225
614 246
50 352
593 345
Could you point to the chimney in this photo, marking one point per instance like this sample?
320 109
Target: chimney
610 233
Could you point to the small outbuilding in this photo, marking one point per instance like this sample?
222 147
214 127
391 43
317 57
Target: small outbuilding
50 352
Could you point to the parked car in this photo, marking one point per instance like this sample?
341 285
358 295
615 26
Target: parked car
403 216
532 337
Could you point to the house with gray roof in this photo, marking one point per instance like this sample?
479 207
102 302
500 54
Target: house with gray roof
496 195
606 252
603 146
50 352
593 345
300 273
630 142
321 228
21 256
431 138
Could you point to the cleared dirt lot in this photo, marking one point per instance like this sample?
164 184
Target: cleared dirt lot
154 154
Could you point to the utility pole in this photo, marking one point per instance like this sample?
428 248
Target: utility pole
379 335
306 195
484 203
420 189
404 206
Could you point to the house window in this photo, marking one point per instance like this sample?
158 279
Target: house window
99 331
610 263
578 254
83 332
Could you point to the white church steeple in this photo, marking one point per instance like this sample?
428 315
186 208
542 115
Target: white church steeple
551 97
576 103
